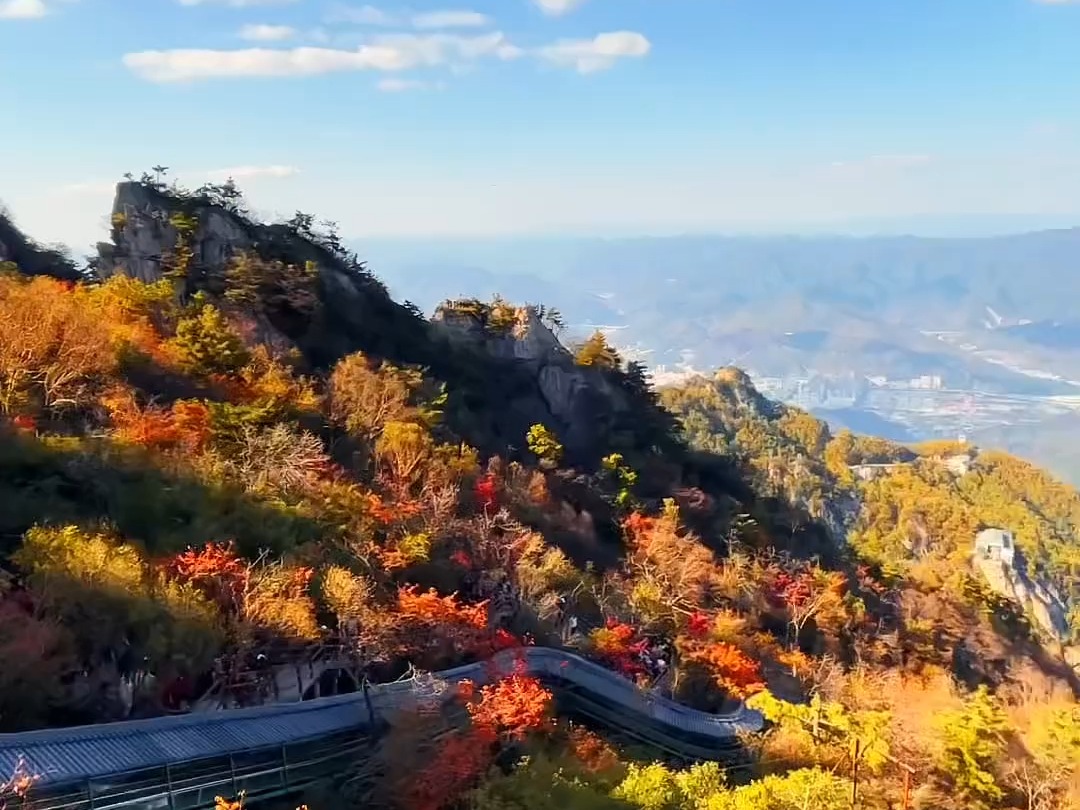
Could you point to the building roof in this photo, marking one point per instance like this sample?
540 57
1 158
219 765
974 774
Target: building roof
69 754
62 755
994 537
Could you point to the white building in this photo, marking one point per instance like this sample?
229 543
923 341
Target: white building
995 544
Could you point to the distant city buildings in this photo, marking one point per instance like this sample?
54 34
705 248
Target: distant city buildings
830 391
923 407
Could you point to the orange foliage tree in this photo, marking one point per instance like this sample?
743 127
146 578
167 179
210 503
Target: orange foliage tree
391 512
511 707
429 607
591 750
672 569
272 597
619 647
730 668
53 347
16 788
440 625
186 424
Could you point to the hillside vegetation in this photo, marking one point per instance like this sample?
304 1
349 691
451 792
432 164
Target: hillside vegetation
220 460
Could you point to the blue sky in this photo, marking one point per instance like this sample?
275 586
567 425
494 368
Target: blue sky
539 116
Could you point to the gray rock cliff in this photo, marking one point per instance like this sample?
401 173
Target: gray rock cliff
501 381
1005 570
582 402
30 257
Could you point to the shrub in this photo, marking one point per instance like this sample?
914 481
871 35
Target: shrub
973 741
544 444
207 344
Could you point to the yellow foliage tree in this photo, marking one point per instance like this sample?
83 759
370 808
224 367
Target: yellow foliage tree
366 396
597 352
107 595
53 348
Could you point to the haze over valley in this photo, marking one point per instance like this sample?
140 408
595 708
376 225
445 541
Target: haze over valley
905 337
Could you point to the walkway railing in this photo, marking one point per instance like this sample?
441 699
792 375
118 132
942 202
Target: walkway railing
259 683
157 762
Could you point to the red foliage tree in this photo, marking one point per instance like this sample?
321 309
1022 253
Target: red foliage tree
25 423
619 647
505 640
697 625
792 591
216 570
461 760
486 492
808 593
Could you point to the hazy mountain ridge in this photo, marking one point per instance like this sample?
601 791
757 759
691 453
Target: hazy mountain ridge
991 316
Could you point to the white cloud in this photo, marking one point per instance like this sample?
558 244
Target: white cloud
883 162
22 9
267 33
252 172
389 53
191 65
451 19
99 188
428 20
395 85
596 54
91 187
235 3
557 8
361 15
1057 2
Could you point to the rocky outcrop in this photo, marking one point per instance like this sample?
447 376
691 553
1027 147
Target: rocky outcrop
144 234
1008 576
501 381
583 403
840 515
31 258
355 312
740 390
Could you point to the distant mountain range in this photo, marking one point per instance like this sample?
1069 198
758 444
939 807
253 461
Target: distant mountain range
904 336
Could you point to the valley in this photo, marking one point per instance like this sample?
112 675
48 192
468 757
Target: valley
905 337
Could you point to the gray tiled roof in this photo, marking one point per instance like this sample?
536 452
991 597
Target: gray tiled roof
68 754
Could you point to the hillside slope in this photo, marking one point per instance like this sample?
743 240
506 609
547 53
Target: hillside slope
231 447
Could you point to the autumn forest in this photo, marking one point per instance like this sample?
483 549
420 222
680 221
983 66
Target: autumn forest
216 468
